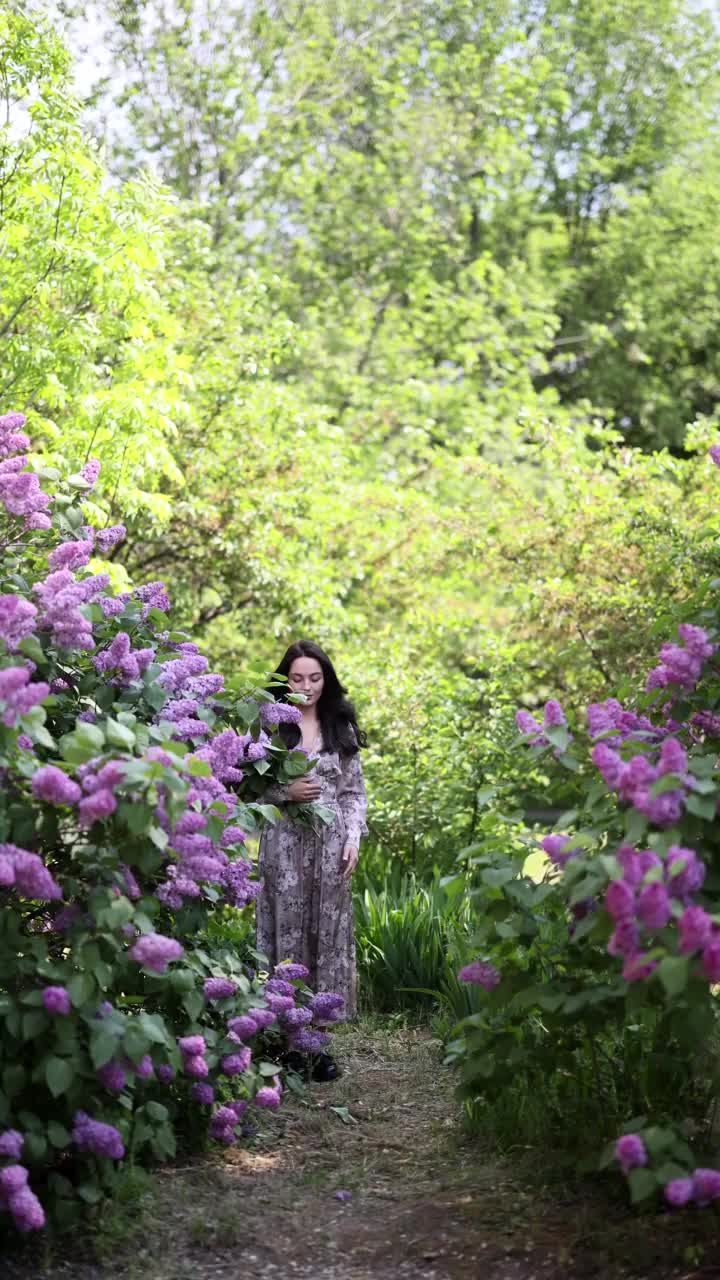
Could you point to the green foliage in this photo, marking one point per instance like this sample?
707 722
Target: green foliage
407 934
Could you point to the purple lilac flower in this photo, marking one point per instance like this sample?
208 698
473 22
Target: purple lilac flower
90 472
11 1144
106 539
222 1125
673 757
291 972
154 596
93 808
13 1179
625 938
21 495
144 1069
25 743
714 452
630 1151
155 952
203 1093
293 1019
274 713
638 967
234 835
706 1186
56 1000
695 927
30 876
308 1040
679 1191
325 1005
654 908
242 1027
17 620
620 899
192 1045
554 716
112 1076
51 784
480 974
343 1196
279 987
12 422
279 1004
113 606
98 1138
267 1097
219 988
165 1073
609 764
233 1064
18 694
711 959
70 555
196 1067
559 849
119 657
27 1211
177 672
263 1018
691 877
707 722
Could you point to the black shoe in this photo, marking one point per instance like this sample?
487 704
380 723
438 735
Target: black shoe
325 1068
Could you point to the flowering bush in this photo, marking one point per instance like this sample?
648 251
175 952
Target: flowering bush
608 965
131 775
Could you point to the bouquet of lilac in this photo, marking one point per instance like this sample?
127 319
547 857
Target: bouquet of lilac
131 777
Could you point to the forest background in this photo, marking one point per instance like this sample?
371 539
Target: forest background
396 326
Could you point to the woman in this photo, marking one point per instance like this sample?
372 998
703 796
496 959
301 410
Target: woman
305 910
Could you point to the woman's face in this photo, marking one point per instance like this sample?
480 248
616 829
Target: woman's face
306 676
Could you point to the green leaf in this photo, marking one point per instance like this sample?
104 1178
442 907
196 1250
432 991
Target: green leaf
80 988
118 735
673 972
642 1183
59 1074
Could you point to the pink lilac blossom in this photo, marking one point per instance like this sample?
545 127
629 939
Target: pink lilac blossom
679 1191
695 927
51 784
155 952
654 908
631 1152
480 974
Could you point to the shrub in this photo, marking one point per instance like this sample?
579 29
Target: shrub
131 775
607 1000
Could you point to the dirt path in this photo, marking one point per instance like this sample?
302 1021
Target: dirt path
424 1202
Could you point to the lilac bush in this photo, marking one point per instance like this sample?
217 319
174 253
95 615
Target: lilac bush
131 776
619 942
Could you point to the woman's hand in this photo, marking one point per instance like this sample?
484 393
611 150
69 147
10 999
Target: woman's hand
304 790
350 860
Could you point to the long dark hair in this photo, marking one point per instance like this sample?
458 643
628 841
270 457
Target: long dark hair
338 720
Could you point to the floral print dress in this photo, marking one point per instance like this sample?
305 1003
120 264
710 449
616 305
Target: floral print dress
304 912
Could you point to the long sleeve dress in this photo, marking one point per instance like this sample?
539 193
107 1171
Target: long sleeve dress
304 912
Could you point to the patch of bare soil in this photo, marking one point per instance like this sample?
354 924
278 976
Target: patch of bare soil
424 1201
